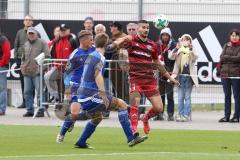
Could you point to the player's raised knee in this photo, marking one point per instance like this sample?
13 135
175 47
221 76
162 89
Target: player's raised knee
121 104
97 118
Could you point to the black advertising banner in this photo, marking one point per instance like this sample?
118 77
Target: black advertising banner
207 73
208 39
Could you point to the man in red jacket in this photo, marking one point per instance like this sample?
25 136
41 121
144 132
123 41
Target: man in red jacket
4 60
62 48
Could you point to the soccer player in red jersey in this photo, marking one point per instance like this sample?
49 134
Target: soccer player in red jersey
143 60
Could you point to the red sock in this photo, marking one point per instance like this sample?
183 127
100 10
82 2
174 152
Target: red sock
134 117
151 113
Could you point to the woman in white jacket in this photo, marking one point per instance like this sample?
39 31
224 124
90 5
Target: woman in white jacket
186 71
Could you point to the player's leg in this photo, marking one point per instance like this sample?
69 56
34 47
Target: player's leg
75 109
69 121
89 130
157 107
120 105
133 114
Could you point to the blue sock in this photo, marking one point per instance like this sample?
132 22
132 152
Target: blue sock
88 131
125 123
66 125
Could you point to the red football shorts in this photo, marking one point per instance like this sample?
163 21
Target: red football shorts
144 90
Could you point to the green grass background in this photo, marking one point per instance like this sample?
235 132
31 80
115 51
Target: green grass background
38 142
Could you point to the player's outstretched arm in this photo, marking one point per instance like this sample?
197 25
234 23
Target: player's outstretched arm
119 41
164 72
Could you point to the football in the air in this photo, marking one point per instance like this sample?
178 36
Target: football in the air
160 21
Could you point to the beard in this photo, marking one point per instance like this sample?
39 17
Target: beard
144 34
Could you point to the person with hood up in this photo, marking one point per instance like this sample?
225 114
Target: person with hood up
165 45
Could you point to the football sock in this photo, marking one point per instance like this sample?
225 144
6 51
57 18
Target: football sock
66 125
88 131
125 123
151 113
134 116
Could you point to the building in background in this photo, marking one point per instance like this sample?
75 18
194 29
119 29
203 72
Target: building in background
124 10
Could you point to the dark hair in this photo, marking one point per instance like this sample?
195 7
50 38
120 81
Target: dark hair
88 18
234 31
101 40
117 25
143 21
56 28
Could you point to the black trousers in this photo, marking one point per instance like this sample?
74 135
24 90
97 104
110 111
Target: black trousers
166 90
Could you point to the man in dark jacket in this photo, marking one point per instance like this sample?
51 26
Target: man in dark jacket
20 40
4 59
117 75
165 44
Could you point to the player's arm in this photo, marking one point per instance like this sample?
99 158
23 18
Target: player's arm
100 84
119 41
164 72
158 65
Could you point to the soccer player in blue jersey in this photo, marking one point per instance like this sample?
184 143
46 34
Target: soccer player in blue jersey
75 70
94 99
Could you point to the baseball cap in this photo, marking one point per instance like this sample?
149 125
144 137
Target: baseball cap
31 30
64 27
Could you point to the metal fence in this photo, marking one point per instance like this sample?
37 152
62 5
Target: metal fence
116 83
123 10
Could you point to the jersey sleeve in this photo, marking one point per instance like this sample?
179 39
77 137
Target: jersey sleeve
98 65
75 62
94 63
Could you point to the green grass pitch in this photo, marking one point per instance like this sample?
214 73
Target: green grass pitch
38 143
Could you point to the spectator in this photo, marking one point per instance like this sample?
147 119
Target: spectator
32 48
56 33
20 40
230 73
184 67
62 48
116 30
165 45
132 29
4 60
88 24
118 72
100 28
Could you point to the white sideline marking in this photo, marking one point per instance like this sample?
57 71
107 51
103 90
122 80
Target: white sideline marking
122 154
